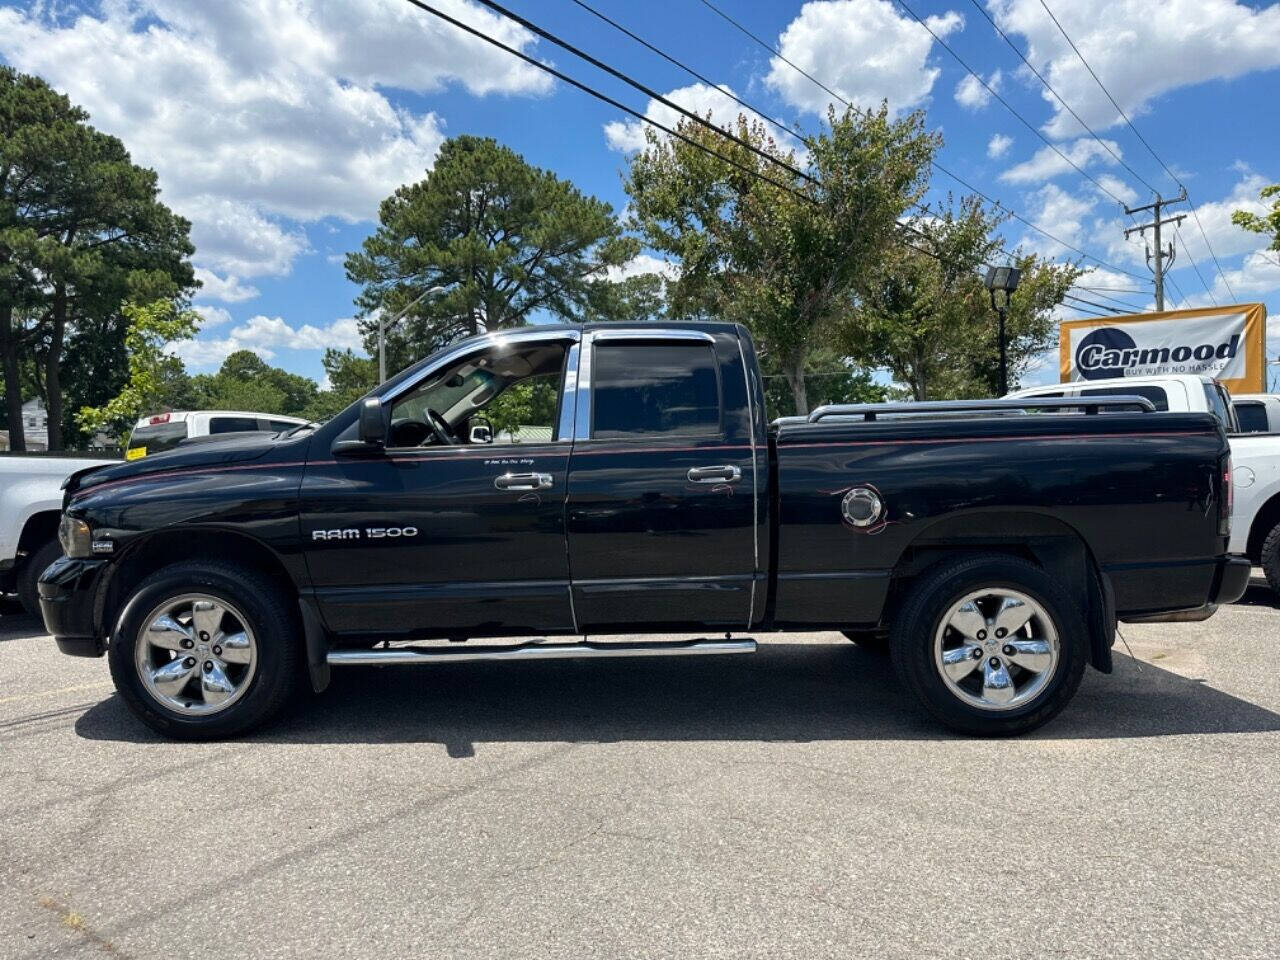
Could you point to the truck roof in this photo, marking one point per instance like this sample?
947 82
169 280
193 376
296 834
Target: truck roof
177 416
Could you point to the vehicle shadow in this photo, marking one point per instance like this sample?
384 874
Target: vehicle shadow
785 692
1258 594
17 624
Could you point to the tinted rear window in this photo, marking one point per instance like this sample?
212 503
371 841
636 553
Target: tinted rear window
1252 417
158 437
1218 406
232 424
1155 394
654 390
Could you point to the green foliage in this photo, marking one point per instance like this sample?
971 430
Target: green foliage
828 378
531 402
152 373
925 315
505 238
82 231
1267 223
247 382
350 378
785 258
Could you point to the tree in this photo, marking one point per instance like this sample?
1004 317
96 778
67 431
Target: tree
507 240
151 328
81 231
247 382
350 377
925 315
829 377
784 257
1267 223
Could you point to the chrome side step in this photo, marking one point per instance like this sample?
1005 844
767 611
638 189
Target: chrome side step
538 651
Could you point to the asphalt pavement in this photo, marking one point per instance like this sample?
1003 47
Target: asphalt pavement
786 804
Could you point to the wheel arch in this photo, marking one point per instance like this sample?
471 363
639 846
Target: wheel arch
1264 520
1039 537
147 554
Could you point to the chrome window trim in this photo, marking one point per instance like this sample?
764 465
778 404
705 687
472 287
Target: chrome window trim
655 333
569 397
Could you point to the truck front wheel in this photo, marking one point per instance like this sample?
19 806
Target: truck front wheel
204 651
990 645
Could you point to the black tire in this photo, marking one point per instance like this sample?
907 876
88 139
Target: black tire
876 641
915 627
28 578
1271 558
267 612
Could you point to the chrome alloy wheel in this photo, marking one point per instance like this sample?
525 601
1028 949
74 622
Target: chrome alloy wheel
996 649
196 654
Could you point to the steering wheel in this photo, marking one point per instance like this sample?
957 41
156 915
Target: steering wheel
440 428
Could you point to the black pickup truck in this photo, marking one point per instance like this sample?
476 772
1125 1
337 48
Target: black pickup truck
623 479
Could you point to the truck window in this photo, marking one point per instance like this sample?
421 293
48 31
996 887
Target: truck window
654 390
275 426
1252 416
1156 395
502 396
232 424
155 438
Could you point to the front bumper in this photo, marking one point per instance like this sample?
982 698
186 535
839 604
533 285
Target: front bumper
68 602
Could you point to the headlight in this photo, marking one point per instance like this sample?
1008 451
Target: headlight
75 537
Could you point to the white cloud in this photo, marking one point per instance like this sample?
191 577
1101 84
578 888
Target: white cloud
628 135
641 264
211 316
265 336
1113 186
1065 215
998 146
1048 163
863 49
971 94
1140 48
255 113
1226 238
228 289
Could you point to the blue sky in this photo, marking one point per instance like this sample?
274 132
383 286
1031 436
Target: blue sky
277 125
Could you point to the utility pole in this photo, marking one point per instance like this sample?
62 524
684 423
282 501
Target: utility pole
1161 254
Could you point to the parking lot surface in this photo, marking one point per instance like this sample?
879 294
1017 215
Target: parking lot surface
786 804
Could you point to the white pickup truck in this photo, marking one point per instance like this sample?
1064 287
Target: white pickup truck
31 487
1255 455
1257 412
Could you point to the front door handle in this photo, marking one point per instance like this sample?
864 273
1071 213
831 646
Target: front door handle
523 481
721 474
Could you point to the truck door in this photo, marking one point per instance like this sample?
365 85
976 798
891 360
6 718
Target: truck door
661 504
452 535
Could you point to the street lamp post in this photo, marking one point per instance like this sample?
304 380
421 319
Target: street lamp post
385 325
1002 280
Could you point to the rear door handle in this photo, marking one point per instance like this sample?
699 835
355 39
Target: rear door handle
523 481
726 473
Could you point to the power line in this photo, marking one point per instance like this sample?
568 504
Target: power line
1132 308
934 163
647 91
1173 176
605 98
1048 86
1093 303
1196 266
991 90
639 116
1091 313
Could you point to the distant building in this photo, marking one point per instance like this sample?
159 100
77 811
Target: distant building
35 426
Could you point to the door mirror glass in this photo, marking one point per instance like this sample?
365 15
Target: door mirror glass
373 424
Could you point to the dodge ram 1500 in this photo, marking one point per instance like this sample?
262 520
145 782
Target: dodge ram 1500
605 479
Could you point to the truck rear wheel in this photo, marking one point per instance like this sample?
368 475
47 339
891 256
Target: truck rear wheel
203 652
990 645
1270 559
